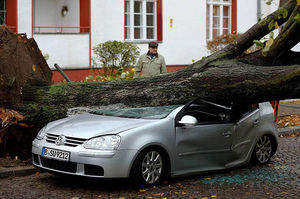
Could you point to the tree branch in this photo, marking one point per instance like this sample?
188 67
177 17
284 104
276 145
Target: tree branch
286 40
258 31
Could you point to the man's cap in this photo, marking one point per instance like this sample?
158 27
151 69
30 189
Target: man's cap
153 44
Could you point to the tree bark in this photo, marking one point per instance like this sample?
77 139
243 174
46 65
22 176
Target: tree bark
220 81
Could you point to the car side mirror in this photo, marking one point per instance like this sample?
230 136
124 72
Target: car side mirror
188 120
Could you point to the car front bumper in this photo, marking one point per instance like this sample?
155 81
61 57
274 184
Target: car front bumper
85 162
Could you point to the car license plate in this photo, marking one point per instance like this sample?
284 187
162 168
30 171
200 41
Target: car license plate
56 154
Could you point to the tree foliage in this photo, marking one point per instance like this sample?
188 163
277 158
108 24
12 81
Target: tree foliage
221 41
112 55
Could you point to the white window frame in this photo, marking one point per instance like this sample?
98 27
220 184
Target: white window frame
4 11
221 3
144 21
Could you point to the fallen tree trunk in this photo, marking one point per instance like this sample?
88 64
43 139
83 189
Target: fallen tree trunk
220 81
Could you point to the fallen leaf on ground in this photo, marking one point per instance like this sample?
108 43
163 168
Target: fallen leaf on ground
158 194
288 121
9 116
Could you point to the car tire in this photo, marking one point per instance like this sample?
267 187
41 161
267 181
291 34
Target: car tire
262 152
149 168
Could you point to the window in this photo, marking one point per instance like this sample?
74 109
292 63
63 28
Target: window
207 112
219 18
68 16
2 12
142 20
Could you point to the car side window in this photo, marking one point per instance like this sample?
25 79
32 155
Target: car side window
207 113
242 110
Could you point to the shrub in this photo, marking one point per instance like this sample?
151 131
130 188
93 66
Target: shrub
220 42
120 74
116 59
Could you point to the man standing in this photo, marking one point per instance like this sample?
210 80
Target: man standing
151 63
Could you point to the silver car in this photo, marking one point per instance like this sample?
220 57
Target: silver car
150 144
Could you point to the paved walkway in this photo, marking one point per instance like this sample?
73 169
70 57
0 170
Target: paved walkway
289 109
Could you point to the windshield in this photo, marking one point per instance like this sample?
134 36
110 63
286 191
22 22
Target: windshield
158 112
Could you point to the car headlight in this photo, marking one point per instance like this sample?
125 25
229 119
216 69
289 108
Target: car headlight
103 142
41 134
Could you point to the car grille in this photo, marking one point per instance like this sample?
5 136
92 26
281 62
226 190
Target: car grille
70 141
71 167
59 165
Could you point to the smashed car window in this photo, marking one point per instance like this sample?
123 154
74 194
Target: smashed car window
241 110
158 112
208 112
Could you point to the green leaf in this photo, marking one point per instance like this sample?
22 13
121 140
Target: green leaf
282 13
90 77
285 13
258 43
263 22
276 25
271 25
297 18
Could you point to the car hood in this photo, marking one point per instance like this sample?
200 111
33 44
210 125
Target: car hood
90 125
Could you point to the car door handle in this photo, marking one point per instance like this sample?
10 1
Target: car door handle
256 123
227 133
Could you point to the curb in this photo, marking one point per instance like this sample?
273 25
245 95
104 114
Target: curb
28 170
17 171
288 130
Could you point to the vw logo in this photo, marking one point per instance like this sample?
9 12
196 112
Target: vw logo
60 140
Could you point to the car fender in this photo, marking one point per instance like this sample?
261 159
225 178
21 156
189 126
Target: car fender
161 134
267 126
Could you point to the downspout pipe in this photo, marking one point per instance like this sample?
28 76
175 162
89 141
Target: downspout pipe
259 10
62 73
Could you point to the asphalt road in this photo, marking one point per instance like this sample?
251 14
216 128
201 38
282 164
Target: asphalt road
278 179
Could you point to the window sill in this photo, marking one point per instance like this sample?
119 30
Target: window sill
60 33
143 41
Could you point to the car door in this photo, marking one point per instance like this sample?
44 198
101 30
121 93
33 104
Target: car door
206 145
245 131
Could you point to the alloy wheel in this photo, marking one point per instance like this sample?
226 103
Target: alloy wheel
263 149
152 167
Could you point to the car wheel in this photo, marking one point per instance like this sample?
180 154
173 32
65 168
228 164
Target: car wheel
149 167
263 150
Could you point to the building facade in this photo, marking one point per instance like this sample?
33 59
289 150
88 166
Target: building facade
67 30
